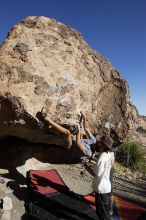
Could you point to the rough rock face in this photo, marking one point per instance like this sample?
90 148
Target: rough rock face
46 63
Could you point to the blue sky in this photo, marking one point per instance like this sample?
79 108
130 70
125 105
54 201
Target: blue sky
115 28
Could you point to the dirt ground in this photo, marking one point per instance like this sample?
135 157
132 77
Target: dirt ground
16 158
76 178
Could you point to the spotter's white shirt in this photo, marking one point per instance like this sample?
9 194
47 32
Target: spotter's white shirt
101 182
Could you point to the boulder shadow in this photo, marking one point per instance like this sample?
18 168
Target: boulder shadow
14 152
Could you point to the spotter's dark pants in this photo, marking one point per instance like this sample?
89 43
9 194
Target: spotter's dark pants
102 206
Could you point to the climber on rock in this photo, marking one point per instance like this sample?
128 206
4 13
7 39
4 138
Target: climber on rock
81 147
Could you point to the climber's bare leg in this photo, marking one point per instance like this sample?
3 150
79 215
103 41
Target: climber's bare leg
61 131
58 129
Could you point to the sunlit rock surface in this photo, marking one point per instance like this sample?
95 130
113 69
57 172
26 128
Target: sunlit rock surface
46 63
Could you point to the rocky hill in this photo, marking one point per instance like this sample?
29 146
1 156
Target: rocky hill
46 63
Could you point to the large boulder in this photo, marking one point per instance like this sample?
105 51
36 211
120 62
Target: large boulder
46 63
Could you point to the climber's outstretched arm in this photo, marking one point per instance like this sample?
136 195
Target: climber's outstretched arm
85 125
79 145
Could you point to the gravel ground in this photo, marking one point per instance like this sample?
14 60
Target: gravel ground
27 156
78 180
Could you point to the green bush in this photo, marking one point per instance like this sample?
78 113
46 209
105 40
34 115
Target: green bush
132 156
141 130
